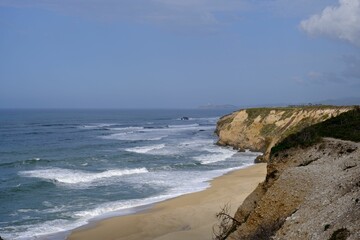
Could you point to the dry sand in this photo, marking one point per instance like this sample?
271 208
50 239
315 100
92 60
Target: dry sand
190 216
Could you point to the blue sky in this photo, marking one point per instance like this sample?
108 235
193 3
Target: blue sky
177 54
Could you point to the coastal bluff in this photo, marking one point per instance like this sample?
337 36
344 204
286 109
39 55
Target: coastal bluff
312 187
308 194
259 129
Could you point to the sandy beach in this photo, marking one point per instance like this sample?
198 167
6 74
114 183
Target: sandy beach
190 216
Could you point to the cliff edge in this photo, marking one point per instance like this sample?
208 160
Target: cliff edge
312 187
311 193
259 129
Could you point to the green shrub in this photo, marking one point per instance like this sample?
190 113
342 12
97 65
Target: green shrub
253 113
345 126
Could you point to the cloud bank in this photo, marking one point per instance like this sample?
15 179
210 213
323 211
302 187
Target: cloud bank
341 22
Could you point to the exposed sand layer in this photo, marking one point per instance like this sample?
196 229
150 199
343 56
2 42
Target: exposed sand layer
191 216
259 129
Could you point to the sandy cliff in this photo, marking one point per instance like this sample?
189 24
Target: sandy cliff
312 186
260 129
311 193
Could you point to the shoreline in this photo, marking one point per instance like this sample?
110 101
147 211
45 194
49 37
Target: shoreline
189 216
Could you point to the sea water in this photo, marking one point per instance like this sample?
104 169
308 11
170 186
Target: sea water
60 169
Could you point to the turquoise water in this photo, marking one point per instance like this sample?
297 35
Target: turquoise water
60 169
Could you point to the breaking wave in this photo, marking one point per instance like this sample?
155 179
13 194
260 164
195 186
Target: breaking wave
69 176
215 155
145 149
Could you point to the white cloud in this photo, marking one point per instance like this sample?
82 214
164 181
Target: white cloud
341 22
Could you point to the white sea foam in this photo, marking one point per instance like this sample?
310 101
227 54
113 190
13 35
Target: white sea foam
171 129
197 143
181 183
69 176
145 149
119 205
152 134
99 125
42 231
172 148
215 155
184 126
135 136
157 138
25 210
212 120
127 129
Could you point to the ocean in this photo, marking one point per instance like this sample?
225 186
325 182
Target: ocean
61 169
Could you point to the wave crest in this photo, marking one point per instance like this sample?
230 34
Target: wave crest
145 149
69 176
215 155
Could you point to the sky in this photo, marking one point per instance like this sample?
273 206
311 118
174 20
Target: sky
177 53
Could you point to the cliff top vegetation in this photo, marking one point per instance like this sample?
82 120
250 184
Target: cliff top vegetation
345 126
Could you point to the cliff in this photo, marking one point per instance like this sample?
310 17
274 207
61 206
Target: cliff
259 129
312 187
311 193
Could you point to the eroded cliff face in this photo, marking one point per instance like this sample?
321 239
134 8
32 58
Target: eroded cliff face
311 193
259 129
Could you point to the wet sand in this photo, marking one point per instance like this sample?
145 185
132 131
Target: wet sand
190 216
